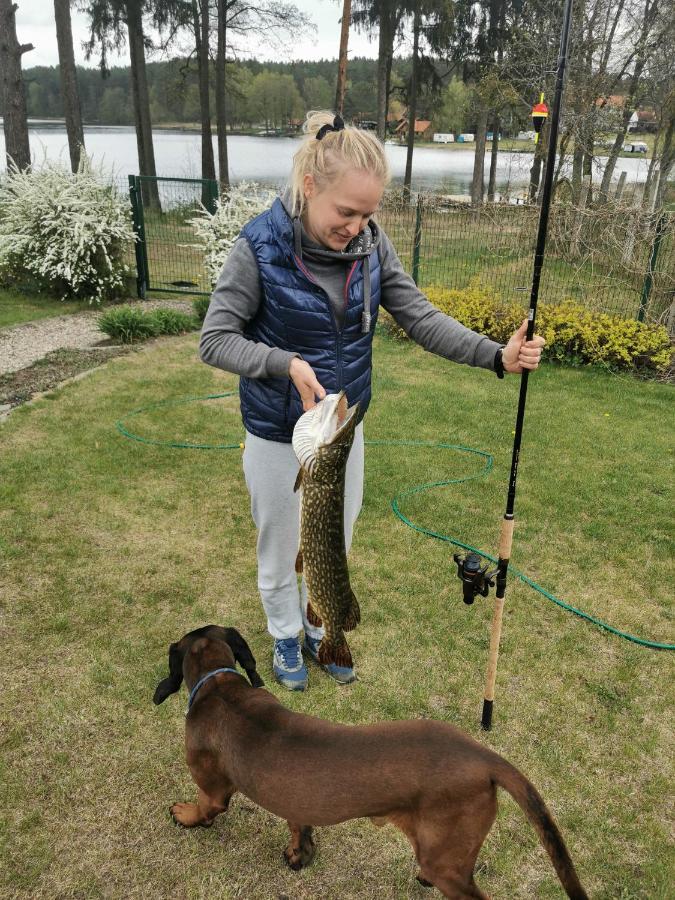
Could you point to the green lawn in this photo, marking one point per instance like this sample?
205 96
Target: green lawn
111 549
17 307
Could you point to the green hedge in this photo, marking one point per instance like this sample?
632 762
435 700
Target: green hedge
573 333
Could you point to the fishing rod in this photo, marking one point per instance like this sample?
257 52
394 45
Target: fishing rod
475 578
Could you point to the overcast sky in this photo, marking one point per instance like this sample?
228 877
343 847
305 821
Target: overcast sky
35 25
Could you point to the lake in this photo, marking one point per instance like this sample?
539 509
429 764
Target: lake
268 159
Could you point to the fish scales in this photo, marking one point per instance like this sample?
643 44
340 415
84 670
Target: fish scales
322 440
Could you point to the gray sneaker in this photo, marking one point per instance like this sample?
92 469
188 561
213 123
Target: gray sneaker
341 674
289 668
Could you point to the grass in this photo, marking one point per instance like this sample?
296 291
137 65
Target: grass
19 306
112 549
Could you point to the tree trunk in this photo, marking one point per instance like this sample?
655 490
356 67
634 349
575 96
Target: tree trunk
666 164
632 100
629 106
12 88
68 75
342 61
477 182
412 103
221 110
383 69
201 23
139 91
496 124
535 171
577 154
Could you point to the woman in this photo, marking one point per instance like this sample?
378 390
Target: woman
293 314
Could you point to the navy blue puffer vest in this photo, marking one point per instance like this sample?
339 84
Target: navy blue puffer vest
296 315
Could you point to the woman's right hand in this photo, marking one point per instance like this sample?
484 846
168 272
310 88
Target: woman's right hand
303 377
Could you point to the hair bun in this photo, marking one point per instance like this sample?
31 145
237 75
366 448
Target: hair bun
338 125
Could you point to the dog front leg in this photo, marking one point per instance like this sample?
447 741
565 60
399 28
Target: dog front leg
301 847
203 812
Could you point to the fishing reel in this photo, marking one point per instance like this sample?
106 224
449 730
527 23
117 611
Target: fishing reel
475 580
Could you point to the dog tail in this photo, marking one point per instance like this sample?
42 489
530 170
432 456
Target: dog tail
532 804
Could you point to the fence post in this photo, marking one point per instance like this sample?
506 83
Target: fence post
417 241
620 186
140 246
649 277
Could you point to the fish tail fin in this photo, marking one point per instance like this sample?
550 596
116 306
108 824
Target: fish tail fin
312 616
298 562
353 616
335 650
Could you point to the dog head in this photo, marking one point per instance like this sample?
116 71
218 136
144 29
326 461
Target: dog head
201 651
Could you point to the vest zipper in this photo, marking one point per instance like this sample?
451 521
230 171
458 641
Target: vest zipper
308 275
338 331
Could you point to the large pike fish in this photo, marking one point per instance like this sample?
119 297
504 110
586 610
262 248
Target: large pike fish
322 439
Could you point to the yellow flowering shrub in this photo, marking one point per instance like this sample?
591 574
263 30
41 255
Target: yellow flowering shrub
572 332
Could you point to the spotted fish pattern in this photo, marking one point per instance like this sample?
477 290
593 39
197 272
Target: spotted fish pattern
322 439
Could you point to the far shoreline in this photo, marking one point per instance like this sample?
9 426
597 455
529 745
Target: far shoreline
506 145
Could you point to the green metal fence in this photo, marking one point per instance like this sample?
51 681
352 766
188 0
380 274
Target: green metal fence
169 255
615 258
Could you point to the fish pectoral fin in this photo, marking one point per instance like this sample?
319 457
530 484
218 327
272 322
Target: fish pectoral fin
353 616
312 616
335 651
298 480
298 562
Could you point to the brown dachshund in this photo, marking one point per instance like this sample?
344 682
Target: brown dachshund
431 780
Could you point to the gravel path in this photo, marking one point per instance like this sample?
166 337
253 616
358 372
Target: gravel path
22 345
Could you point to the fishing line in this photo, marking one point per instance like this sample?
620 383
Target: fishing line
396 502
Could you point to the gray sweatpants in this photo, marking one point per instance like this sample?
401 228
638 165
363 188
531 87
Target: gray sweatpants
270 470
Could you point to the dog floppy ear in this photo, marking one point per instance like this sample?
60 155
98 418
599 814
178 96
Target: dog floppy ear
171 684
242 653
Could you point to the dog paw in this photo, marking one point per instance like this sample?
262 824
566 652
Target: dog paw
297 857
187 815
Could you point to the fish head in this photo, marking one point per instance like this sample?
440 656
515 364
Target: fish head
323 437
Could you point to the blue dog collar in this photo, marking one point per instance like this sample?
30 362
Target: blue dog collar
201 681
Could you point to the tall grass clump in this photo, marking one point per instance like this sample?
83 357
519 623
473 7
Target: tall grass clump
130 324
221 229
65 233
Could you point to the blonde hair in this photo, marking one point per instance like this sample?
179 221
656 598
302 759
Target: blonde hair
326 160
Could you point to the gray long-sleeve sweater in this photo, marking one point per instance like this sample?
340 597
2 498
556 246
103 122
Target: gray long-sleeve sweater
238 295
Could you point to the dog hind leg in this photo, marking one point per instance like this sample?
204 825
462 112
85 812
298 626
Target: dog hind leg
301 847
203 812
448 848
446 845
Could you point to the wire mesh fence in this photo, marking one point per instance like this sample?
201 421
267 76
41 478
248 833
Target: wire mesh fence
613 258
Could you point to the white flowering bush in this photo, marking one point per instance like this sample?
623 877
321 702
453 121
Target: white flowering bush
221 229
66 232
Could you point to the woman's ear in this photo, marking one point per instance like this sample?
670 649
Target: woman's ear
308 185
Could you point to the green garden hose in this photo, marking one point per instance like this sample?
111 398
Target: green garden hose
396 502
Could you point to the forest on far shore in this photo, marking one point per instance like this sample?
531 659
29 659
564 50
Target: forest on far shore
265 94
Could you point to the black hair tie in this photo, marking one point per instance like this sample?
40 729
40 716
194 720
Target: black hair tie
338 125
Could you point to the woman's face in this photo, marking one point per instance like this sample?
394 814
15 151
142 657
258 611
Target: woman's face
339 211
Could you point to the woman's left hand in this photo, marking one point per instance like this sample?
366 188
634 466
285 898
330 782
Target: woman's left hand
520 353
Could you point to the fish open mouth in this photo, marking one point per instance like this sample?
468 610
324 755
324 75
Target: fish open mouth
321 426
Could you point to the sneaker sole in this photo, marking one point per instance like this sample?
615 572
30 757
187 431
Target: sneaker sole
338 680
290 686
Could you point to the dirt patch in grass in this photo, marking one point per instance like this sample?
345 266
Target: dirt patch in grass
53 369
